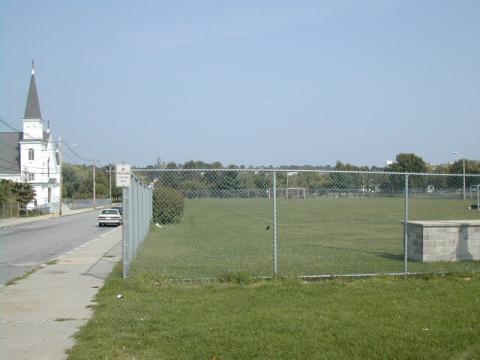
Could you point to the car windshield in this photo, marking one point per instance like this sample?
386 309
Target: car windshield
110 212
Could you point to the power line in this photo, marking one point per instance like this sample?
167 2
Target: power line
11 127
52 150
18 149
75 153
80 157
23 175
7 144
55 142
69 157
26 168
8 161
15 164
39 173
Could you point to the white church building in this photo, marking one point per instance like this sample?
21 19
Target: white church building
31 155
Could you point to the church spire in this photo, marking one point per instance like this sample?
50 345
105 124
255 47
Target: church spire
32 110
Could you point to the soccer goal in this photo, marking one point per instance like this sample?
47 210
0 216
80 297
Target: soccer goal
475 189
291 193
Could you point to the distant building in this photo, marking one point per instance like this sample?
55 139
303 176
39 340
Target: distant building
31 155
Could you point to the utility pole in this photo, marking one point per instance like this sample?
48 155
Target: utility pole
463 166
286 190
94 190
110 181
60 159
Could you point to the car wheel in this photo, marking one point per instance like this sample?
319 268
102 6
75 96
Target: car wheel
100 224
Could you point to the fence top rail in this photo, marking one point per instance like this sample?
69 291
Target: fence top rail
263 170
139 181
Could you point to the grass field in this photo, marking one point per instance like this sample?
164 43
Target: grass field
317 236
433 317
239 317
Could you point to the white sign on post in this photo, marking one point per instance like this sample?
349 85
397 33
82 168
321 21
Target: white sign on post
123 175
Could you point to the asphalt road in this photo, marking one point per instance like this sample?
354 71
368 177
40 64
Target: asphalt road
24 247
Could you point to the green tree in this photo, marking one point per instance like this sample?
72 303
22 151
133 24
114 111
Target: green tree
5 191
23 193
471 167
408 162
78 181
313 180
345 180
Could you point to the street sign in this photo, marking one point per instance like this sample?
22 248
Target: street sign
123 175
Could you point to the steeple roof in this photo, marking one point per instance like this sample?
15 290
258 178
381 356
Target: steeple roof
32 110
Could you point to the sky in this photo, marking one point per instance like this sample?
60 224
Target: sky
248 82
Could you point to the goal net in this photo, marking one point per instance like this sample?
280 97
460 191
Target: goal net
291 193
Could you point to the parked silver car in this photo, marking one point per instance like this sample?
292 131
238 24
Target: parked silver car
110 217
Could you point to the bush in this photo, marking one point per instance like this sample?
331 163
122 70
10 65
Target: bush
167 204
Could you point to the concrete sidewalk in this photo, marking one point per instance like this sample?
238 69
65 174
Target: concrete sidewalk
24 220
39 314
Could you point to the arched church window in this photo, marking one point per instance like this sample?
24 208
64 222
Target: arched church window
31 154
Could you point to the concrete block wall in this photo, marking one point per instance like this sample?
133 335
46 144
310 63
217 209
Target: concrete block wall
430 241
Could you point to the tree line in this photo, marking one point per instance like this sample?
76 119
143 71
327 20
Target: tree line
78 179
368 182
78 182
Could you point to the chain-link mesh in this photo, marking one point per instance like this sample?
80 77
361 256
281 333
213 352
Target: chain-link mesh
209 223
137 216
348 223
444 223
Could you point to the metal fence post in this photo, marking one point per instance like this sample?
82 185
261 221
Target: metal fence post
130 222
405 229
125 232
478 197
134 216
144 213
275 244
136 212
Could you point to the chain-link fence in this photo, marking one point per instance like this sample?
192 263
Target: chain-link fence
137 216
211 222
9 210
16 210
76 204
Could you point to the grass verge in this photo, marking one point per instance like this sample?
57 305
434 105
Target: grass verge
239 318
21 277
30 272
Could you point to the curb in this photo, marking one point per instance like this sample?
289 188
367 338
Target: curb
53 216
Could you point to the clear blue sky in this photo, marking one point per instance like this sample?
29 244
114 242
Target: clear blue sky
249 82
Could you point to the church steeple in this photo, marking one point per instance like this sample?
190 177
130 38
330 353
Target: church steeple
32 110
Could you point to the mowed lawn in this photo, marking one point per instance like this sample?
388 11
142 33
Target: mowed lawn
241 317
434 317
318 236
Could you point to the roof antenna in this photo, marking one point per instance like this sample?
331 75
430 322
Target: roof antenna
33 68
